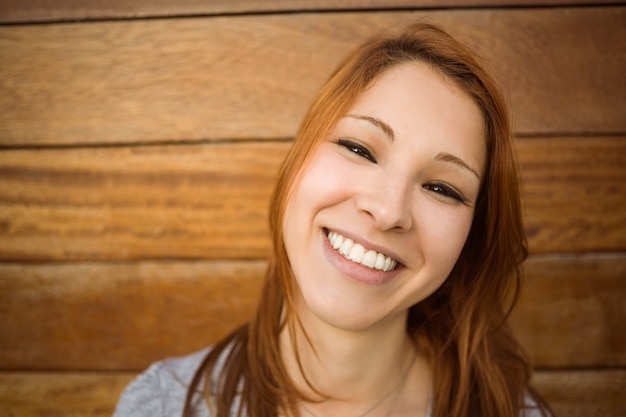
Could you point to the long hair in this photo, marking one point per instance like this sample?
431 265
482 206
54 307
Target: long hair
479 367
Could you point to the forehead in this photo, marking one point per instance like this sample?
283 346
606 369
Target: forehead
421 104
417 86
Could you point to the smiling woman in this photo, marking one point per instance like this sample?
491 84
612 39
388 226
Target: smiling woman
397 239
388 192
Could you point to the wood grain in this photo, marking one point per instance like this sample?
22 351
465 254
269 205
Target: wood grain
119 316
61 394
137 157
211 201
574 193
110 316
584 393
198 201
570 393
253 77
67 10
571 310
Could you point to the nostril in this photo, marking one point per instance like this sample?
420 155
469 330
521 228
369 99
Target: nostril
389 217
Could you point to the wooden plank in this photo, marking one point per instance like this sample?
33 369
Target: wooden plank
68 10
198 201
574 190
571 310
119 316
584 393
124 316
254 76
211 201
570 393
61 394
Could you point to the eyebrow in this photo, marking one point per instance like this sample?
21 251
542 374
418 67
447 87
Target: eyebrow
447 157
387 130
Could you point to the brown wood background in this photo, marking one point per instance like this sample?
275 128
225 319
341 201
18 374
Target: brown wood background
138 146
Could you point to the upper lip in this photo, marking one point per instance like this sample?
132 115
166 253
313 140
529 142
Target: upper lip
367 244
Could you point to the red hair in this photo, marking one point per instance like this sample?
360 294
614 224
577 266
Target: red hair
479 367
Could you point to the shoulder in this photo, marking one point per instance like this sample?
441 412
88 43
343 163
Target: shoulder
162 388
532 407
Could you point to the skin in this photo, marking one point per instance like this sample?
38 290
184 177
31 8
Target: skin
399 174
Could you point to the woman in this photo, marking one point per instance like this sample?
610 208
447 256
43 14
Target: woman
397 245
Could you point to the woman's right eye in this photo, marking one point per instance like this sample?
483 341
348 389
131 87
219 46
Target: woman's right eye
357 149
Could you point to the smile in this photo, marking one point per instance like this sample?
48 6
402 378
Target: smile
355 252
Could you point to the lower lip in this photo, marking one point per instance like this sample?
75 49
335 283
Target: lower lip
357 272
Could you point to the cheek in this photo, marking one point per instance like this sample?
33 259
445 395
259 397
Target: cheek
312 190
442 241
459 230
324 182
446 234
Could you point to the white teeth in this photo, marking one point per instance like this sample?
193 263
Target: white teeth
380 261
357 253
389 264
337 242
369 259
346 246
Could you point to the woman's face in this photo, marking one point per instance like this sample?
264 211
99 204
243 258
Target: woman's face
381 211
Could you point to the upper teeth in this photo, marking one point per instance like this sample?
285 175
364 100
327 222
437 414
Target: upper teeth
357 253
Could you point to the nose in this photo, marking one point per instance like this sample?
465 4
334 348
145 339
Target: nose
388 203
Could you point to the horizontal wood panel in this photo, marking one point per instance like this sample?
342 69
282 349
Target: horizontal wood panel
204 201
574 193
55 10
61 394
124 316
583 393
119 316
571 311
211 201
569 393
254 76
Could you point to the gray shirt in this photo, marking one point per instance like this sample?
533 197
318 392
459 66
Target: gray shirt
160 391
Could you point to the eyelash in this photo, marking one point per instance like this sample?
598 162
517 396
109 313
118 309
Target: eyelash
438 188
357 149
445 191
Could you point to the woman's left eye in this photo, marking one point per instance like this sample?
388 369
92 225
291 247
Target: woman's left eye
357 149
445 191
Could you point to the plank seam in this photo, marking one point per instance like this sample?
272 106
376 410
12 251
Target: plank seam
322 10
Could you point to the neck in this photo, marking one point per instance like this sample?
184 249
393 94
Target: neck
348 368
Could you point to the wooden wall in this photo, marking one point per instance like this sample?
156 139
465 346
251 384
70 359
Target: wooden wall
138 146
